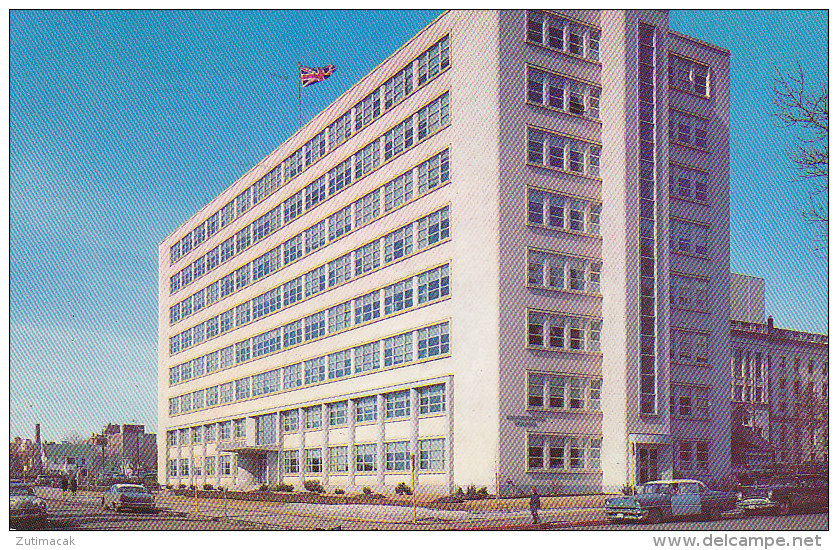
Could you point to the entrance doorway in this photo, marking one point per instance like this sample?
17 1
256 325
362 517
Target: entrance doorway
647 464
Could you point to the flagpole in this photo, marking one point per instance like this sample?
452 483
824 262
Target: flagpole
300 96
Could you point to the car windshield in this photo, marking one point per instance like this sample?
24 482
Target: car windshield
21 491
653 488
131 489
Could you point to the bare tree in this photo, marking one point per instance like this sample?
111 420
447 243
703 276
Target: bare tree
808 111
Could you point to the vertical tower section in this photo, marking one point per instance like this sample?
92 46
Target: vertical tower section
635 426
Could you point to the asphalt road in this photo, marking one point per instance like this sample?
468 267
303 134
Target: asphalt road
84 511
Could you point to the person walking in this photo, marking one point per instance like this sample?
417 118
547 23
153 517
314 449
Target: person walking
73 486
64 485
535 504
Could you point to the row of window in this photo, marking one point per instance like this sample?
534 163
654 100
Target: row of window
394 457
749 393
563 153
207 466
693 455
687 183
429 63
430 400
427 120
558 33
414 183
688 129
688 347
687 401
688 75
561 212
689 292
746 365
422 344
559 272
563 452
561 331
688 237
563 392
563 93
421 289
425 232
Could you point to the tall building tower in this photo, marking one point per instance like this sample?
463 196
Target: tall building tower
504 251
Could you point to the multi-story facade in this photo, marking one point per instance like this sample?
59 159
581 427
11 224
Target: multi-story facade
471 256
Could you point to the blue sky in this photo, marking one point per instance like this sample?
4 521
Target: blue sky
123 124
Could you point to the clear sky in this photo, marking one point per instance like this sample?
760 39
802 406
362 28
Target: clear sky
123 124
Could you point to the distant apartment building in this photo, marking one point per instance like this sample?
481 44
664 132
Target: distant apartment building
780 385
127 449
504 252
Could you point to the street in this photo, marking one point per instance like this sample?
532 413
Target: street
83 511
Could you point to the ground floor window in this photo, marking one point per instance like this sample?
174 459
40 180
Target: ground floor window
432 454
396 456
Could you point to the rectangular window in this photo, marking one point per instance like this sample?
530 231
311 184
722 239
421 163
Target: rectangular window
292 376
576 453
315 192
365 458
314 461
595 395
433 116
702 461
340 176
226 430
367 158
535 451
293 164
225 392
558 386
315 326
433 341
433 284
242 388
340 130
398 244
398 191
340 364
292 333
340 317
368 307
267 224
366 409
433 228
209 465
557 461
399 86
368 109
398 349
315 148
290 420
396 456
313 417
433 61
266 429
367 208
432 454
315 370
535 329
535 206
267 303
398 139
367 357
269 183
291 462
315 236
337 413
367 258
292 249
535 392
266 382
397 404
315 281
535 30
577 393
292 291
337 460
433 172
340 270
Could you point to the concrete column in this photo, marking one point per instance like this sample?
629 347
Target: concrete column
449 441
280 446
379 448
250 431
324 446
350 446
414 428
302 420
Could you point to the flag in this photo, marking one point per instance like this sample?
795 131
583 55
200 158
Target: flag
312 76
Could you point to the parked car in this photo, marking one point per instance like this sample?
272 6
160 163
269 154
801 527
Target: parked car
25 506
43 481
671 499
123 496
784 493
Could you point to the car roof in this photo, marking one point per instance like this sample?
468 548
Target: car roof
125 485
668 481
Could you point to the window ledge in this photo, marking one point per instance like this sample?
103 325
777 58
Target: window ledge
690 255
571 55
565 350
689 363
532 409
562 229
585 471
693 309
557 110
689 199
563 171
566 290
688 146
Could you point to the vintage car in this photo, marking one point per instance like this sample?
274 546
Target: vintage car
671 499
123 496
25 507
784 493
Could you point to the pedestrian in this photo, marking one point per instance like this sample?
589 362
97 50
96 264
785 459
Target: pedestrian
73 486
64 484
535 504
